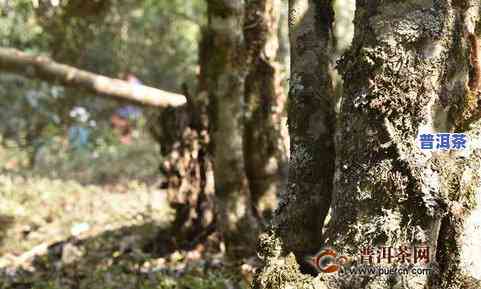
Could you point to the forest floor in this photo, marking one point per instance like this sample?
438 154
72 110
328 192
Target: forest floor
99 223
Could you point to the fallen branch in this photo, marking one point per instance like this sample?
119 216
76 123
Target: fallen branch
44 68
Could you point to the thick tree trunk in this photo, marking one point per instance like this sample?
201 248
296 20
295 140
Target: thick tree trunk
407 73
263 136
226 72
265 148
311 126
413 68
43 68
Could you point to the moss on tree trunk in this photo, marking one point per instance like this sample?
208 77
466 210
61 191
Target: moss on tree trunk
407 72
311 127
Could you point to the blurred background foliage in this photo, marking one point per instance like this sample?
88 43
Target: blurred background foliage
110 37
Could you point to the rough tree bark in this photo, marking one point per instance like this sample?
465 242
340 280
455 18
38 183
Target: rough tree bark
187 168
226 72
265 149
413 67
263 143
40 67
311 127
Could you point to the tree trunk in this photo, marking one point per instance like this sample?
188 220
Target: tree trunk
258 123
413 68
311 127
187 168
226 71
265 148
407 73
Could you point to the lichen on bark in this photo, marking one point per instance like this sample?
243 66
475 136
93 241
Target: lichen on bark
399 78
311 124
406 73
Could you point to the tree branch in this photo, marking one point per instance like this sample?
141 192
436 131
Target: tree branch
41 67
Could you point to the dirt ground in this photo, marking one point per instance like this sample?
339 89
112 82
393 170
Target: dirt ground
68 229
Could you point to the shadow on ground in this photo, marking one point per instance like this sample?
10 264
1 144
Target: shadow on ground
138 257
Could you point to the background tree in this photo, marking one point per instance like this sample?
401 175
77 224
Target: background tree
226 72
246 104
265 136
